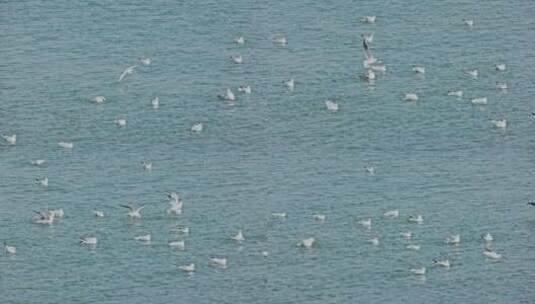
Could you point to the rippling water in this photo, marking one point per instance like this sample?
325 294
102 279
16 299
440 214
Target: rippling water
273 151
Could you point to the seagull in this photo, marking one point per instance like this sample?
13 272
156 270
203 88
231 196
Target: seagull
98 99
500 67
378 68
265 254
91 240
127 71
487 237
413 247
473 73
218 262
416 219
369 60
45 217
10 139
369 75
175 207
501 86
66 145
229 95
369 19
454 239
407 235
187 268
367 37
418 69
492 255
42 181
279 215
411 97
143 238
374 241
456 93
238 237
245 89
290 84
183 230
319 217
531 203
11 250
479 101
155 102
178 245
502 123
331 105
370 170
133 212
120 122
38 162
197 127
469 22
307 243
443 263
147 165
391 214
418 271
280 40
145 61
532 115
237 58
58 213
239 40
98 213
367 223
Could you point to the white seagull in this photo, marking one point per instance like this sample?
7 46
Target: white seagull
418 271
280 40
129 70
290 84
98 213
479 100
473 73
90 240
418 219
197 127
147 165
45 217
469 22
10 139
414 247
500 67
229 95
58 213
454 239
493 255
178 245
145 60
238 237
133 212
38 162
391 214
367 223
501 86
120 122
374 241
456 93
331 105
98 99
319 217
407 235
42 181
307 243
501 123
369 19
487 237
239 40
411 97
155 102
218 262
418 69
11 250
143 238
443 263
187 268
237 58
66 145
245 89
279 215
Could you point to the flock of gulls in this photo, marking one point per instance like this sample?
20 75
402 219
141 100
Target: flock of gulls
372 67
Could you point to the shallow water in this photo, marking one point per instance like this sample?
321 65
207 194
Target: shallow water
273 151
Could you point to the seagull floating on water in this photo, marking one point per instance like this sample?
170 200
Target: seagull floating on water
413 247
443 263
38 162
120 122
244 89
501 123
502 86
290 84
98 99
197 127
145 60
98 213
147 165
374 241
456 93
58 213
42 181
178 245
407 235
367 223
411 97
416 219
133 212
391 214
307 243
493 255
239 40
370 170
469 22
238 237
319 217
237 58
418 271
10 139
175 203
369 19
45 217
418 69
279 215
473 73
66 145
454 239
143 238
187 268
487 237
129 70
229 95
90 240
280 40
218 262
11 250
479 101
331 106
500 67
155 102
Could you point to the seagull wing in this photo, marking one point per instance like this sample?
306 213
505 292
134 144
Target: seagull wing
128 207
367 53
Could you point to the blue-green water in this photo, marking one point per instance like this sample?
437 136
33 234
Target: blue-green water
273 151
